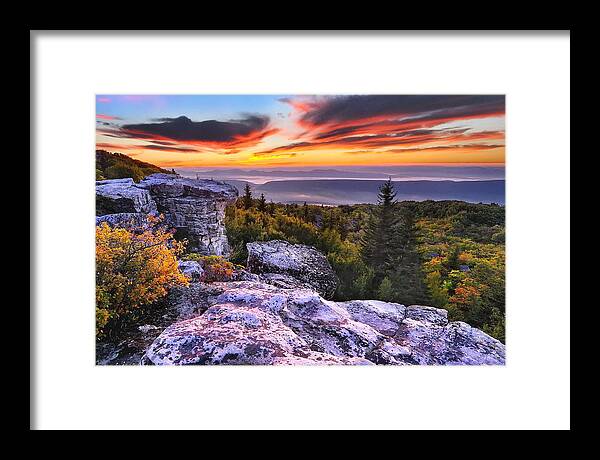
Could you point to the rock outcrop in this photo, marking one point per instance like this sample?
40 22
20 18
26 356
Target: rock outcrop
296 261
195 208
122 196
252 322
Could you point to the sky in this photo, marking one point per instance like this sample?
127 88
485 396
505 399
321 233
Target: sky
269 131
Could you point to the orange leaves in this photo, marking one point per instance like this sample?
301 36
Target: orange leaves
465 258
133 270
216 268
220 271
465 295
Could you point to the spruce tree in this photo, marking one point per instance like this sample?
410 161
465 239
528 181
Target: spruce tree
262 203
405 262
385 291
305 212
378 236
247 199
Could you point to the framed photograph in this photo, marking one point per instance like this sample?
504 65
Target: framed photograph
316 228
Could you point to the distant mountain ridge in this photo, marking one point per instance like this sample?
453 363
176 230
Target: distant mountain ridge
407 172
349 191
331 191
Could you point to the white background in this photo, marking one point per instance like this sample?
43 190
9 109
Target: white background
531 391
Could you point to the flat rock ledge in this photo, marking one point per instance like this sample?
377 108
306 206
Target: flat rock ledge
249 322
122 196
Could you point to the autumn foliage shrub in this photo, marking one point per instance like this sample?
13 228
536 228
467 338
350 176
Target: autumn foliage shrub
216 268
133 270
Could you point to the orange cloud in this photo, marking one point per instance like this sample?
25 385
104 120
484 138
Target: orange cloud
106 117
379 123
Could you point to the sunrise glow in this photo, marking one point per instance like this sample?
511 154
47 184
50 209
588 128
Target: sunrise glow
270 131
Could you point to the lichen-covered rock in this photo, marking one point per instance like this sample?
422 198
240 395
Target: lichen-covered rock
239 274
257 323
194 207
235 335
135 221
384 317
282 281
302 263
122 196
193 300
191 269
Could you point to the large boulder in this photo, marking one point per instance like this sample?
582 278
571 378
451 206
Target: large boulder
282 281
191 269
122 196
258 323
194 207
300 262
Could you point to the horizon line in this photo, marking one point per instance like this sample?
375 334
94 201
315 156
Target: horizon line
321 166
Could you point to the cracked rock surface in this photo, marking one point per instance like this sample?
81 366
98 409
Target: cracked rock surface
194 207
249 322
122 196
288 263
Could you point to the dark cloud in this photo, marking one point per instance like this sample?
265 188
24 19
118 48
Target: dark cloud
167 148
339 132
164 142
119 133
339 109
383 121
183 129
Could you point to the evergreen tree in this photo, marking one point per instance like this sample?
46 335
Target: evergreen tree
386 290
332 218
262 203
247 199
402 235
378 236
342 226
406 276
272 208
305 214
